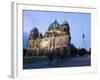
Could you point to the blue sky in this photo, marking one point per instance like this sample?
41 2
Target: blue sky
79 23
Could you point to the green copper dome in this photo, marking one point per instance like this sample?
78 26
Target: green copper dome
34 30
65 23
54 25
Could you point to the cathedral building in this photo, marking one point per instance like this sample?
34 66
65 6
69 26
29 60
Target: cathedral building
57 36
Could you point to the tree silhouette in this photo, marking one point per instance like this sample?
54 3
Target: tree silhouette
82 52
89 52
24 52
73 50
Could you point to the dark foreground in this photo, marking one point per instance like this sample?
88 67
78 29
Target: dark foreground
69 62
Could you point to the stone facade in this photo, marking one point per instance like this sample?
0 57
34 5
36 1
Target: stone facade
57 36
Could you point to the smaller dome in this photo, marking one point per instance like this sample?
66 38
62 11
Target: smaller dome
65 24
53 25
34 29
34 32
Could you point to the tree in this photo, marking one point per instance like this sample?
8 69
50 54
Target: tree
65 50
24 52
73 50
82 52
89 52
50 56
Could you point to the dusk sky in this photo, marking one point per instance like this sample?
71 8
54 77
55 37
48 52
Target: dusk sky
79 23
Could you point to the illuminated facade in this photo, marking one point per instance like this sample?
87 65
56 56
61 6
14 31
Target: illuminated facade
57 36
